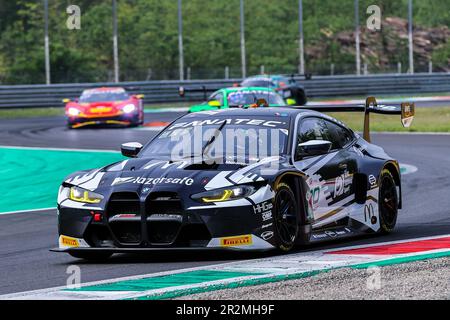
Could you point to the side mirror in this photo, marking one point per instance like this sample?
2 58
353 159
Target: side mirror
66 100
291 102
214 103
313 148
131 149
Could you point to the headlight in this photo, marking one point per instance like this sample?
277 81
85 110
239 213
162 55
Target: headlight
73 111
129 108
85 196
226 194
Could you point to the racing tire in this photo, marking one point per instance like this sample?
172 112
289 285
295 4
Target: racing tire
302 100
285 218
299 96
92 256
387 202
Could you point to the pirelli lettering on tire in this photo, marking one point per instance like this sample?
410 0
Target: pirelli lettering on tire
237 241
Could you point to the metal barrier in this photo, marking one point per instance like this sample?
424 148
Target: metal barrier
34 96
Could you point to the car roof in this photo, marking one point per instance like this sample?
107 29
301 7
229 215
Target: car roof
254 112
247 89
105 89
267 77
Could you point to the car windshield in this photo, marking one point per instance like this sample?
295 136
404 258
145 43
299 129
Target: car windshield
231 140
242 98
282 81
103 96
259 82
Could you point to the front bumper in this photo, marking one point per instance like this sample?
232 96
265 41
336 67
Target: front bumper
148 250
118 120
162 228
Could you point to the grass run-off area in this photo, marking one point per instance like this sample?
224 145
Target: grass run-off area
426 120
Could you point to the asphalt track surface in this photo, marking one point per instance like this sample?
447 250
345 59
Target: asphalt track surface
25 238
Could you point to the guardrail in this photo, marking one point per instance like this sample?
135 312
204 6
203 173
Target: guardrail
34 96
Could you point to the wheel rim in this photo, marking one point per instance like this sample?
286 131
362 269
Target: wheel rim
286 218
388 201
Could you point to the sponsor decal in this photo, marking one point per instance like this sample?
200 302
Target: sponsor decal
127 215
244 240
243 122
313 197
342 184
166 217
372 181
369 214
123 216
267 215
69 242
265 226
262 207
101 109
153 181
331 234
265 209
267 235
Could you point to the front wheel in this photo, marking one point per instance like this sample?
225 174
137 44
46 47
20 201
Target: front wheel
286 224
388 202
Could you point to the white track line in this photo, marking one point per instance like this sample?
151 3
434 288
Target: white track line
26 211
57 149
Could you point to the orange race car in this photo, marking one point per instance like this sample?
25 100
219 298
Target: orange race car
105 106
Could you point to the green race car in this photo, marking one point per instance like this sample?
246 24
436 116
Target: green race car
241 98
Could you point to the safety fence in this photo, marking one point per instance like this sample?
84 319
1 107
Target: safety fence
35 96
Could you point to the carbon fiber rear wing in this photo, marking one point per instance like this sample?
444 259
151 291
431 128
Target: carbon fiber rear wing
406 110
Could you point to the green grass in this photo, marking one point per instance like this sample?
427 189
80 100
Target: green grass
426 120
380 97
52 112
31 113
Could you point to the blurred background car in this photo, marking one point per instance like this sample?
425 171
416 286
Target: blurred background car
105 106
239 97
289 88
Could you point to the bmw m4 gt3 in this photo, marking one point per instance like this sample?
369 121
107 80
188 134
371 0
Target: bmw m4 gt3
242 179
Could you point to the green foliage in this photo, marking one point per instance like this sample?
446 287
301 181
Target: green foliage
148 37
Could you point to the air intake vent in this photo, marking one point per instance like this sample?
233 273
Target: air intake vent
123 212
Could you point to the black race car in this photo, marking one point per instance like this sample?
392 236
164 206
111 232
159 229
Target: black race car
286 86
249 179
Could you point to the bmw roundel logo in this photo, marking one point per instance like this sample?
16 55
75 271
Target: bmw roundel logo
145 190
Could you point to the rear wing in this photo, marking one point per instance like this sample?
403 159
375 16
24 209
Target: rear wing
406 111
195 89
